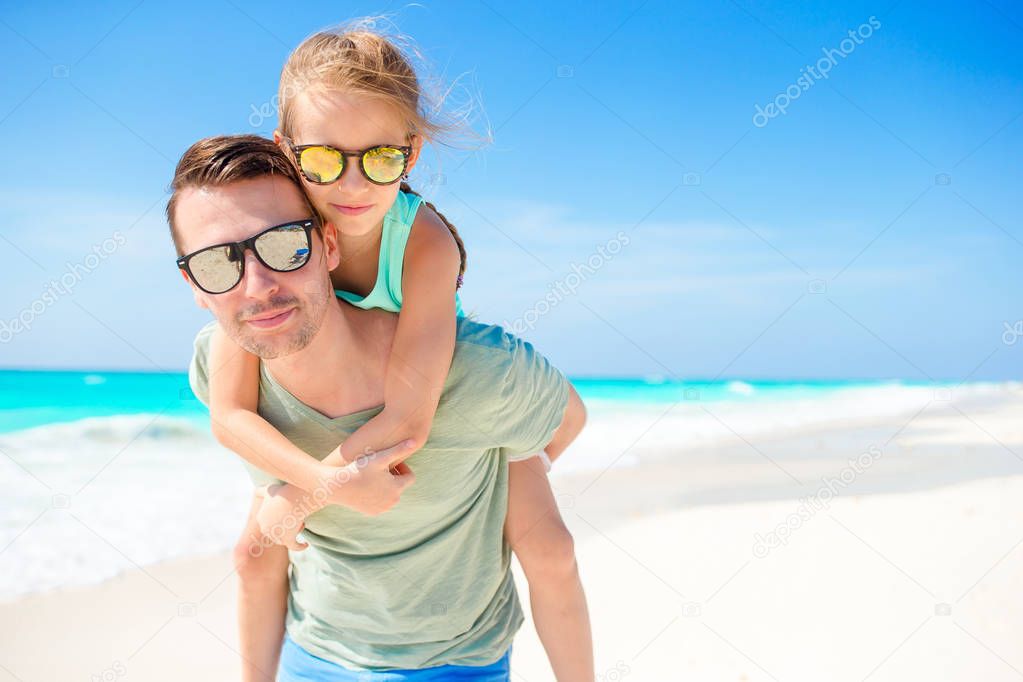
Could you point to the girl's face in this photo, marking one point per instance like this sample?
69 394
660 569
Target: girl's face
351 123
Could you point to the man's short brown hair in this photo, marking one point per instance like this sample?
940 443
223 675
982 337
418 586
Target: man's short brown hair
225 159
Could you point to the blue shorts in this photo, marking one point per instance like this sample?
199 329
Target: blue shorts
298 665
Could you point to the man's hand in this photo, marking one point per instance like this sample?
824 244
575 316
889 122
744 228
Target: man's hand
280 519
373 483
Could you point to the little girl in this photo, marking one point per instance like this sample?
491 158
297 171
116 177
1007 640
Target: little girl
353 121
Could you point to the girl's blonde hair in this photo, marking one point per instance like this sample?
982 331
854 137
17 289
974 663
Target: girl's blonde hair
356 58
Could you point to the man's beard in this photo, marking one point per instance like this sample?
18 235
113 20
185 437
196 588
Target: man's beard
268 347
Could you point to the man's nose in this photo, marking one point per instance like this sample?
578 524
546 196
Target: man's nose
260 281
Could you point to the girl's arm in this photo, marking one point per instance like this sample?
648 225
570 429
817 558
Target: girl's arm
421 352
234 399
424 342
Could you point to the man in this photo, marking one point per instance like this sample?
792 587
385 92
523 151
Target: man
427 584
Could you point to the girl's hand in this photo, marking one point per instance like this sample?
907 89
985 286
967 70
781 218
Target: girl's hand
371 484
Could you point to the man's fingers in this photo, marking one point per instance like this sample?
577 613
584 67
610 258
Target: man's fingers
294 543
263 490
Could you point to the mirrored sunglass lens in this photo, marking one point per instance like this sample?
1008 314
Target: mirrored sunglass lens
383 164
285 248
214 269
320 164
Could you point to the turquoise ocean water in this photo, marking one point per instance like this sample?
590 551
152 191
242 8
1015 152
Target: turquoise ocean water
30 398
105 471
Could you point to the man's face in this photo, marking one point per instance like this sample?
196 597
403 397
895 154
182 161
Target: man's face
269 314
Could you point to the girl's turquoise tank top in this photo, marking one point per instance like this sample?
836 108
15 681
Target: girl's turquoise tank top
386 293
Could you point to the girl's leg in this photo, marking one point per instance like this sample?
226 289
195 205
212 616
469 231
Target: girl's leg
262 570
545 549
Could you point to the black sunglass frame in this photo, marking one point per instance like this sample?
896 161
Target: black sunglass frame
238 250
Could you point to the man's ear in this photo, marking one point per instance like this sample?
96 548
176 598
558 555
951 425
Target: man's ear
278 137
331 251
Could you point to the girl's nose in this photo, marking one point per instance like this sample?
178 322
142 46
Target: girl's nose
351 180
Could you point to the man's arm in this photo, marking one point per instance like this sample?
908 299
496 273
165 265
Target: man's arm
572 424
525 403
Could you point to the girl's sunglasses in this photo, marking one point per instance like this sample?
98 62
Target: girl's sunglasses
281 248
322 164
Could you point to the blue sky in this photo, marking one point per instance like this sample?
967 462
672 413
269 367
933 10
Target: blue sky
867 232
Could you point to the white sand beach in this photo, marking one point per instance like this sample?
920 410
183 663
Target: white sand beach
712 563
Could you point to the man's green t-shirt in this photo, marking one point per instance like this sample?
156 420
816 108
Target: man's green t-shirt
428 582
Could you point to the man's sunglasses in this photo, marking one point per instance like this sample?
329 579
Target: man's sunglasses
322 164
281 248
